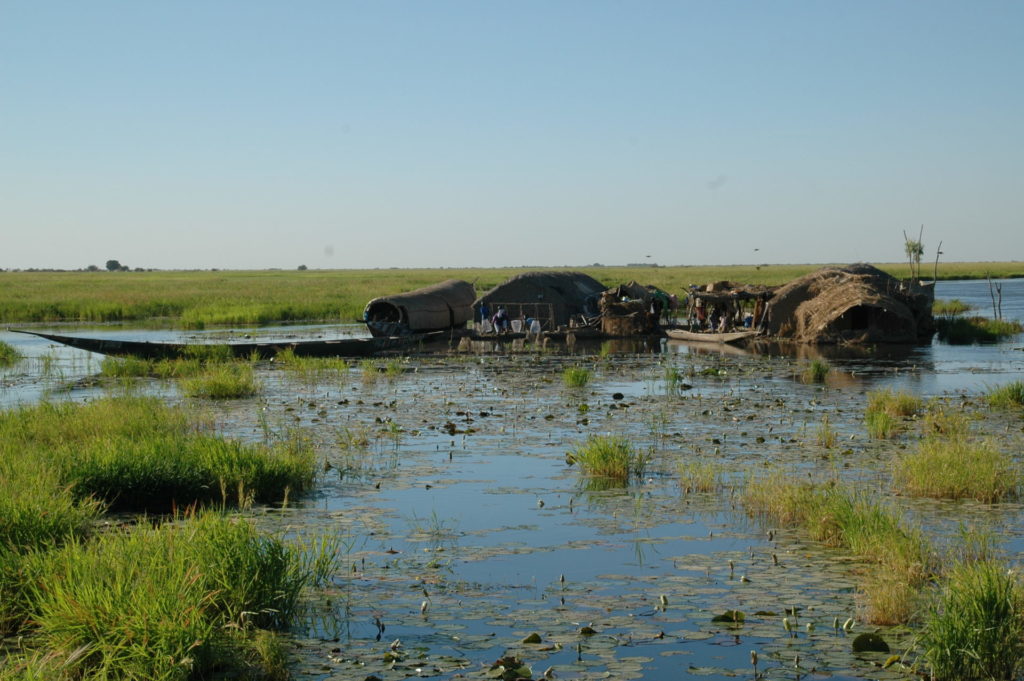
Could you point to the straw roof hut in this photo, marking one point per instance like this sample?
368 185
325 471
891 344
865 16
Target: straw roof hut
855 303
434 308
550 297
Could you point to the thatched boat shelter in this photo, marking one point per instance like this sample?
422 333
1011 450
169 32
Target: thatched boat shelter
853 304
551 298
447 305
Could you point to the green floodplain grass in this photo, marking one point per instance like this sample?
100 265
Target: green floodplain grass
170 600
195 299
138 454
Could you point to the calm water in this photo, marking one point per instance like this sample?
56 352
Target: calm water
468 531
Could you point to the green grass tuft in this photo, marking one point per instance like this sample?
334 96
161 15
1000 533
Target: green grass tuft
1009 396
576 377
957 468
881 425
610 456
816 371
975 630
8 355
698 476
950 308
168 603
223 382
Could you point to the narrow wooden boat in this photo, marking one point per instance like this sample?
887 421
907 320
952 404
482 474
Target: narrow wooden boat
711 336
340 347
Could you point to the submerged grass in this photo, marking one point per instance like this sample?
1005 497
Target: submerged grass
957 468
900 555
612 457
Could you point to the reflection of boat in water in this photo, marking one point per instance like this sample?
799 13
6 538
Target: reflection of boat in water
339 347
691 347
711 336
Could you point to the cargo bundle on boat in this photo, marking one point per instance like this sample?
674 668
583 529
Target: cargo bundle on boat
448 305
853 304
632 310
552 299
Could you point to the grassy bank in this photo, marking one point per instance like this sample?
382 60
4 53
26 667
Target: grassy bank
148 600
201 298
137 454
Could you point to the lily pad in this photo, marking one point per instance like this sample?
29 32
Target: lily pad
870 643
730 617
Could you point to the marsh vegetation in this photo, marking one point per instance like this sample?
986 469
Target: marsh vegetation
682 509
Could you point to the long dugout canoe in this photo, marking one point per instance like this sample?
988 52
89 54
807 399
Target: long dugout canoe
342 347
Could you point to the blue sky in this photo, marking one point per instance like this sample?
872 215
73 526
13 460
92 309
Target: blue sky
402 134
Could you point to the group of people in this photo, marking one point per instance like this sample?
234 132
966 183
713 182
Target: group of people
727 317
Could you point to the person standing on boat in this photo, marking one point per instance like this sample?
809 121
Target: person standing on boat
500 320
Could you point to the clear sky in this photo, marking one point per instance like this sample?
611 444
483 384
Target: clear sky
336 134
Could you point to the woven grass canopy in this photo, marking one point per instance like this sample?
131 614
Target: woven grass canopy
855 303
553 296
441 306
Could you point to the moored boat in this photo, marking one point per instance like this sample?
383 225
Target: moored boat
711 336
338 347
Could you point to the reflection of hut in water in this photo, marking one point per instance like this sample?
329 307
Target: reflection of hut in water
442 306
855 303
551 298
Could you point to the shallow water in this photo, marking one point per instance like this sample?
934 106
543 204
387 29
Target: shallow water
468 530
